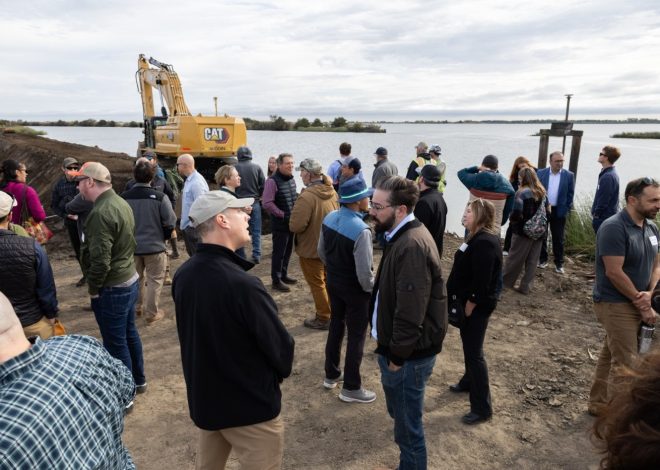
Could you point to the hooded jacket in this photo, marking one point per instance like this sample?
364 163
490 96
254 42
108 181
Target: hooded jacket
315 202
252 177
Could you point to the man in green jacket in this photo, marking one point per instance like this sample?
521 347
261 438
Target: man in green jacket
106 256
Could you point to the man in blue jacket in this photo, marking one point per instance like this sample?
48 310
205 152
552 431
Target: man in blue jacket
560 186
606 199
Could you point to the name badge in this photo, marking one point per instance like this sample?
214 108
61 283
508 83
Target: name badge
464 247
654 240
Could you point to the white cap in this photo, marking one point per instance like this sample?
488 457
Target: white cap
212 203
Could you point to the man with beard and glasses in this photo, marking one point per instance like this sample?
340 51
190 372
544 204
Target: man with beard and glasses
627 271
409 313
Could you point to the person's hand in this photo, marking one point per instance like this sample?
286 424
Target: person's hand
248 209
648 316
72 216
643 300
392 366
51 321
469 308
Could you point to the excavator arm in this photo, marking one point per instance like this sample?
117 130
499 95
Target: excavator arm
166 81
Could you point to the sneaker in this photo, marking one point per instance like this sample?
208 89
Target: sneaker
278 285
542 265
332 383
128 408
505 253
357 396
289 280
316 324
141 388
560 270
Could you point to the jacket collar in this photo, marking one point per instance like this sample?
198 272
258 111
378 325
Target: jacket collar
219 250
412 224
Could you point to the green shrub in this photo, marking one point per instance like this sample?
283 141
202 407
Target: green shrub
580 238
24 130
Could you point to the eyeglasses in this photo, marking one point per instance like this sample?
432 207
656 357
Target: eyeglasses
601 154
378 207
73 167
648 181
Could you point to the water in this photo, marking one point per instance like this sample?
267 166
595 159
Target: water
462 145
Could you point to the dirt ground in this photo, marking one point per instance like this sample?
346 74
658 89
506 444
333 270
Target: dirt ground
540 350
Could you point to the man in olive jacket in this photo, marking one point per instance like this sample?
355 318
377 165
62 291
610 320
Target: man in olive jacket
316 201
106 256
409 313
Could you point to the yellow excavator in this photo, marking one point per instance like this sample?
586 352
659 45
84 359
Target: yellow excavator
212 140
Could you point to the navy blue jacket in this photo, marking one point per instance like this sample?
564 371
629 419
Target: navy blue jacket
606 200
566 190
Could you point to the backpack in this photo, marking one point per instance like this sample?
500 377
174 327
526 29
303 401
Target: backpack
535 227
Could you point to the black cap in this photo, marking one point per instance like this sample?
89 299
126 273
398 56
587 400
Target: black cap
244 152
381 152
354 164
490 161
431 175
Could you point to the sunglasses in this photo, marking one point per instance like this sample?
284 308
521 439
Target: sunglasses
73 167
601 154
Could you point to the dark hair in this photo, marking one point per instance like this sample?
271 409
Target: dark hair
611 153
636 187
144 171
345 149
282 156
403 192
628 430
513 177
9 169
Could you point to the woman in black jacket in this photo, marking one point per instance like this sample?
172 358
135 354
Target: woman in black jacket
473 280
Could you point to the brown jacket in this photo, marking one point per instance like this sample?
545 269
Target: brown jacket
314 203
412 300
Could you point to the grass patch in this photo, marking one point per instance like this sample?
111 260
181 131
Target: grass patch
22 130
636 135
580 237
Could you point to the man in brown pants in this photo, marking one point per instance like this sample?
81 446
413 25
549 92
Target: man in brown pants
314 203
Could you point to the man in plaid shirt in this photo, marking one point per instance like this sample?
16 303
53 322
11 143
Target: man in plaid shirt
62 401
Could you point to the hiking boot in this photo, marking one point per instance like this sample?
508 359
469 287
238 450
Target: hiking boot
141 388
542 265
361 395
277 285
289 280
81 282
154 318
332 383
316 324
255 260
167 281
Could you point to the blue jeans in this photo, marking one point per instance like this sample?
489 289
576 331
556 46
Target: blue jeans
404 396
114 310
254 225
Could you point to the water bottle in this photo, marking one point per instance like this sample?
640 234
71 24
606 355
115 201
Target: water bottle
644 337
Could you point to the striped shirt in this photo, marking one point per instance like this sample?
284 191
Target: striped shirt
62 406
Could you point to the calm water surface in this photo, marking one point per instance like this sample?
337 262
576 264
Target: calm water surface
462 145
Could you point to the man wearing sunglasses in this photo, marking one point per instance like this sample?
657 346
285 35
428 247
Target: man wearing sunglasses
627 271
64 191
606 199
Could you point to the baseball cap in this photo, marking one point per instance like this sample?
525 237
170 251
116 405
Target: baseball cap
212 203
68 161
311 165
94 170
381 152
7 203
430 173
353 163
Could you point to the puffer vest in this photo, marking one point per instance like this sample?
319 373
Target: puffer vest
285 198
18 279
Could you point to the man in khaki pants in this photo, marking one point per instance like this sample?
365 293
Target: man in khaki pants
26 278
316 201
627 271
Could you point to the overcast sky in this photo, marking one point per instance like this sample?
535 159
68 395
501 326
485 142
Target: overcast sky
380 59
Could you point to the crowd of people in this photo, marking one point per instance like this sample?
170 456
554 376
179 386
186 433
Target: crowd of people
228 323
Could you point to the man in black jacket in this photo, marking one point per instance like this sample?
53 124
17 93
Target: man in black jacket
409 313
234 349
431 209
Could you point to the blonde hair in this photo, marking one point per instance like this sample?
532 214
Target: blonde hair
223 174
529 179
483 212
